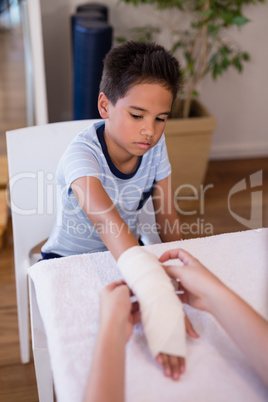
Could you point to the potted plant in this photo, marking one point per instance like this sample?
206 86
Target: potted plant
200 42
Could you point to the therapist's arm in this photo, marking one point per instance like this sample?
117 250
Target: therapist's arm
206 292
107 373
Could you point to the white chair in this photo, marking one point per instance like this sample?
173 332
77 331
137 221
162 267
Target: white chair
33 155
43 373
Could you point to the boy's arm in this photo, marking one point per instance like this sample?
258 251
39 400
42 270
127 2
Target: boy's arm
167 219
117 237
166 215
102 213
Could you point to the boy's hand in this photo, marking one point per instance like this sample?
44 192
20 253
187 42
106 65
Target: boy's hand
116 309
173 366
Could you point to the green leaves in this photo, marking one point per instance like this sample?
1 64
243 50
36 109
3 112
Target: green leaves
245 56
120 39
216 71
204 47
239 20
145 33
205 13
236 62
213 30
176 46
224 58
234 18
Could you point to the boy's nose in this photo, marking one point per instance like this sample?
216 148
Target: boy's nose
147 130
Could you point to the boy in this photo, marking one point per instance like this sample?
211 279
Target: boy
111 168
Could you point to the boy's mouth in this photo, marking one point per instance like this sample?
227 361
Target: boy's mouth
143 145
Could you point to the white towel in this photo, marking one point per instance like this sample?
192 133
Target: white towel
68 298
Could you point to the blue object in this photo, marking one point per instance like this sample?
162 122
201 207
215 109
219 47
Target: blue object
85 16
89 7
92 39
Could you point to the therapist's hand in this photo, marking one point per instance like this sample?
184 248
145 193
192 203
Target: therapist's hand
116 310
198 283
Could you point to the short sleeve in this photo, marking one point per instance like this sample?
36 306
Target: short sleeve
79 161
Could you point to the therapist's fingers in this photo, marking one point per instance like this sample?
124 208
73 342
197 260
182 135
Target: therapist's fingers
114 285
169 255
174 271
185 257
116 294
135 313
136 318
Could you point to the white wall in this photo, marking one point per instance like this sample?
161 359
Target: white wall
239 102
57 52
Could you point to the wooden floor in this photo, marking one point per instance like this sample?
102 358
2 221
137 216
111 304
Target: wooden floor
207 215
17 381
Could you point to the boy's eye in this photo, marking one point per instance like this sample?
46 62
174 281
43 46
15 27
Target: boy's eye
162 120
135 116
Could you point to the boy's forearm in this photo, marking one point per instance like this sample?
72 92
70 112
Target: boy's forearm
166 215
169 226
106 379
119 240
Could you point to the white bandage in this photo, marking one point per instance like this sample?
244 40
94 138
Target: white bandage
161 310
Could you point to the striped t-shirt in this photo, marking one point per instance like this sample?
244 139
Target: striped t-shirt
87 155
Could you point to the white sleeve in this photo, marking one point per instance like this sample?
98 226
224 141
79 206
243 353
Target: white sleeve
161 310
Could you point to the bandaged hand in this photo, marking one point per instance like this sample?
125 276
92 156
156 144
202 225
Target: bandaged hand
161 310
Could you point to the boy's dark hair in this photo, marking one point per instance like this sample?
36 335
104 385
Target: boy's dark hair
136 63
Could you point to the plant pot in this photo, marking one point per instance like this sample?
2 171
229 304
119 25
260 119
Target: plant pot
188 144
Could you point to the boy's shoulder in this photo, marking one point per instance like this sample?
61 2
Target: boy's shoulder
86 141
90 131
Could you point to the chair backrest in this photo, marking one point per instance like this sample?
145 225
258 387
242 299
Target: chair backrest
33 156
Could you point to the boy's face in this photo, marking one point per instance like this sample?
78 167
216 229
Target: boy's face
136 122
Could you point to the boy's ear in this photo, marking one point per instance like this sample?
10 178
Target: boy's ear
103 103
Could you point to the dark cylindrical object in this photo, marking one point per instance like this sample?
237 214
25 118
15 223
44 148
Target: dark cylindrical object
88 7
85 16
91 41
92 15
